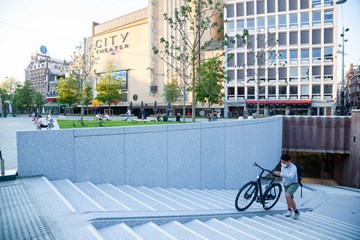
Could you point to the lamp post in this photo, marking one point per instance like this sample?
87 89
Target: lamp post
342 102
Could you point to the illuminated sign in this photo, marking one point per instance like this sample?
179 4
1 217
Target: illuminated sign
112 43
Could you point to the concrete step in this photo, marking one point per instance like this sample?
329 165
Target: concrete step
210 198
80 200
46 195
125 197
249 229
181 231
82 232
234 232
152 231
207 231
120 232
109 202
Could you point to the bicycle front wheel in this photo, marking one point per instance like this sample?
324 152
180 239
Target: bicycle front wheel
246 196
271 196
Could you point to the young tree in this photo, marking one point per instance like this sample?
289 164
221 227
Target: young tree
171 91
88 95
38 99
24 97
109 88
211 82
80 67
190 24
68 90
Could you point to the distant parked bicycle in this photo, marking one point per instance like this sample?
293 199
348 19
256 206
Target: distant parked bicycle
253 190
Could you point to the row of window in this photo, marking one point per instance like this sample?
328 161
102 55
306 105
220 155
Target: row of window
283 74
282 92
241 9
281 57
282 22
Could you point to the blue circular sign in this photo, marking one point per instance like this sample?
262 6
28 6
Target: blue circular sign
43 49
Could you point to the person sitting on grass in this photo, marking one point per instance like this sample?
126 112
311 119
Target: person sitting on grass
107 117
97 117
41 123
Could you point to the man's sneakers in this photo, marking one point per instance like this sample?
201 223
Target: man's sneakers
296 215
288 213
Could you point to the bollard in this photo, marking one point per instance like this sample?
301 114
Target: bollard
2 161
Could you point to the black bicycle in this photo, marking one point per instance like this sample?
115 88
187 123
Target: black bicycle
253 190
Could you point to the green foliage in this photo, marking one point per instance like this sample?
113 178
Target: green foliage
109 88
211 82
23 98
68 90
171 91
38 99
88 94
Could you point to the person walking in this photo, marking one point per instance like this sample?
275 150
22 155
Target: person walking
290 181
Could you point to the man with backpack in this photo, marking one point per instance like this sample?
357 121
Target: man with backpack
289 174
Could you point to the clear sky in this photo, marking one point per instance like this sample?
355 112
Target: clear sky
25 25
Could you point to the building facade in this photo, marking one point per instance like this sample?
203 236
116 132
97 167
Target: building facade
297 41
353 88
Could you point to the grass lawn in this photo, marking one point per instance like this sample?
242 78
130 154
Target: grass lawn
65 124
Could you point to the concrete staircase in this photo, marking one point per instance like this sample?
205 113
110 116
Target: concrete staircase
104 211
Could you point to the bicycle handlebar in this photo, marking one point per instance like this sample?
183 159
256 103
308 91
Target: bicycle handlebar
267 170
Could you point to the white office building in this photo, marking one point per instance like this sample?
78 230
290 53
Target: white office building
297 74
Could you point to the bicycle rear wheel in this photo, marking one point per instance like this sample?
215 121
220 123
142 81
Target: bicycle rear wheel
246 196
271 196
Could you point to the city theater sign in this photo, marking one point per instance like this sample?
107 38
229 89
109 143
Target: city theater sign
112 43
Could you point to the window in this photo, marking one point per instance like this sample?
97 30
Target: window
249 8
271 57
260 40
240 25
328 54
316 73
270 6
271 23
231 43
260 6
293 5
316 55
293 92
282 39
250 74
282 92
304 37
240 59
251 92
328 17
272 92
271 75
328 90
304 91
293 74
304 4
230 60
316 3
231 92
282 57
260 56
231 75
293 56
282 22
240 75
271 41
328 35
241 92
250 41
240 9
304 19
230 26
261 92
304 74
304 55
316 91
316 36
250 59
260 23
328 73
293 20
316 18
230 10
250 25
282 5
240 42
328 3
283 74
293 38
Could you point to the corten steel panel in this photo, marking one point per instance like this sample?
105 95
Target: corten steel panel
355 149
317 134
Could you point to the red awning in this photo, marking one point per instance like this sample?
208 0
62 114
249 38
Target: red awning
286 102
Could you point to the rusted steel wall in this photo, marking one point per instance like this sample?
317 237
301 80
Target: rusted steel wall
354 164
317 134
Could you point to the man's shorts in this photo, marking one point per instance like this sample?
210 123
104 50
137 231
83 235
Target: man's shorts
291 189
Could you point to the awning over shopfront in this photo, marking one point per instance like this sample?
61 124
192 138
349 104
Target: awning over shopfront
279 102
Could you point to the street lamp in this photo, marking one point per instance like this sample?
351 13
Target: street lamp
342 102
